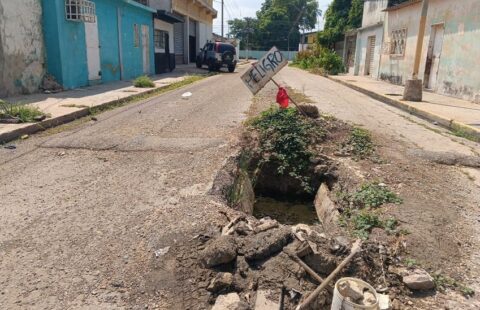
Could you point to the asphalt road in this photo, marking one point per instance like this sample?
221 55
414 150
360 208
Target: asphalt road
87 207
84 210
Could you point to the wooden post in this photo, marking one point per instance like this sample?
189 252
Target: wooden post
420 37
293 101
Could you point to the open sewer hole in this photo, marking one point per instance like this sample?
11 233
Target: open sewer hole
289 212
280 197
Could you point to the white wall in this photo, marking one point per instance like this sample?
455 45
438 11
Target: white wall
161 25
373 12
21 47
457 75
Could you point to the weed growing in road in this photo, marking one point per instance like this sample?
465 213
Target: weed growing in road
143 82
410 262
24 113
361 222
443 282
374 195
284 138
359 143
462 133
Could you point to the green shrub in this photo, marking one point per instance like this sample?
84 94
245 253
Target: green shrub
143 82
320 58
24 113
284 138
374 195
364 222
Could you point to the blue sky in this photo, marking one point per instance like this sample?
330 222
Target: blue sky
247 8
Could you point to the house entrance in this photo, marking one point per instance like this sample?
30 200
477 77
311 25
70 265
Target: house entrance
369 64
433 56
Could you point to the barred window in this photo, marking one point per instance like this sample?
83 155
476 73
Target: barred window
136 35
80 11
160 37
399 41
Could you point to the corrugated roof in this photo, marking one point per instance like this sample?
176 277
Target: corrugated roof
402 5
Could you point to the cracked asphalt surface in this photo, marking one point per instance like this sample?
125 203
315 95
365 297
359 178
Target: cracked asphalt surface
84 210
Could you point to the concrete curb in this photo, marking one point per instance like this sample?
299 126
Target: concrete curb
70 117
450 124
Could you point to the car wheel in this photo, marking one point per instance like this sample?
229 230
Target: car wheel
211 67
231 69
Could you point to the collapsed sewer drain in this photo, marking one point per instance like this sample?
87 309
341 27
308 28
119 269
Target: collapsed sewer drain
286 212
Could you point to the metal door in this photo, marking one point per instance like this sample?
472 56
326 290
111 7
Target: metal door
178 38
369 63
434 53
93 51
146 49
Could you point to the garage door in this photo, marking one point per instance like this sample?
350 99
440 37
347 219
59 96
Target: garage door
179 38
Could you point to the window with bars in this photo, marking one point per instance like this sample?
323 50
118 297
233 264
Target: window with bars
136 35
159 38
80 11
398 42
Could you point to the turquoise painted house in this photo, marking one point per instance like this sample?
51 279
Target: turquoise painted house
98 41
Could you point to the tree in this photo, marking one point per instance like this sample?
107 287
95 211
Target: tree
340 16
278 23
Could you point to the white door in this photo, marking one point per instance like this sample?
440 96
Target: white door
436 52
146 49
93 51
369 63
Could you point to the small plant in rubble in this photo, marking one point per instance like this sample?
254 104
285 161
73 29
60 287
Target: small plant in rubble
374 195
359 143
284 138
23 113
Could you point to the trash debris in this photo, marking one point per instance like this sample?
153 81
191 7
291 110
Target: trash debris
39 118
187 95
24 137
384 302
10 147
352 293
161 252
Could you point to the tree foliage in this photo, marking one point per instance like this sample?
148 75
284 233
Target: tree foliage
340 16
278 23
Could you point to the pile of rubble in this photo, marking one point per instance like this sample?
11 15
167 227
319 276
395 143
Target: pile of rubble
262 265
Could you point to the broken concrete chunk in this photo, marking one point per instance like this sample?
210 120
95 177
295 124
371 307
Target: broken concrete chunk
266 225
419 280
320 262
219 251
351 290
384 302
229 302
221 281
326 209
267 300
266 243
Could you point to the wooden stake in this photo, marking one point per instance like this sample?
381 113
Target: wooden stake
357 246
293 101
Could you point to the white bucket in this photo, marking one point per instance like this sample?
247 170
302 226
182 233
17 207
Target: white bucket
340 303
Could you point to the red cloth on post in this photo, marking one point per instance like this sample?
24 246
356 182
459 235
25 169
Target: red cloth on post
282 98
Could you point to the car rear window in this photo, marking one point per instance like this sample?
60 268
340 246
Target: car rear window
222 48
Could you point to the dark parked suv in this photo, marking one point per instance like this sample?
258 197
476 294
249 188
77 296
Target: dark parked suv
216 55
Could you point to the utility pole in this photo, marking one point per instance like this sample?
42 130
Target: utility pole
414 87
222 18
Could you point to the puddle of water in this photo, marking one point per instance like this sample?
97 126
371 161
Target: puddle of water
286 212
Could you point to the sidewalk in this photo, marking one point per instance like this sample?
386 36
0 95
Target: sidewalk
69 105
452 113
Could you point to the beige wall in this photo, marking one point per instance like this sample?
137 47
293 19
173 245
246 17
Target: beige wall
193 9
373 12
21 47
457 75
